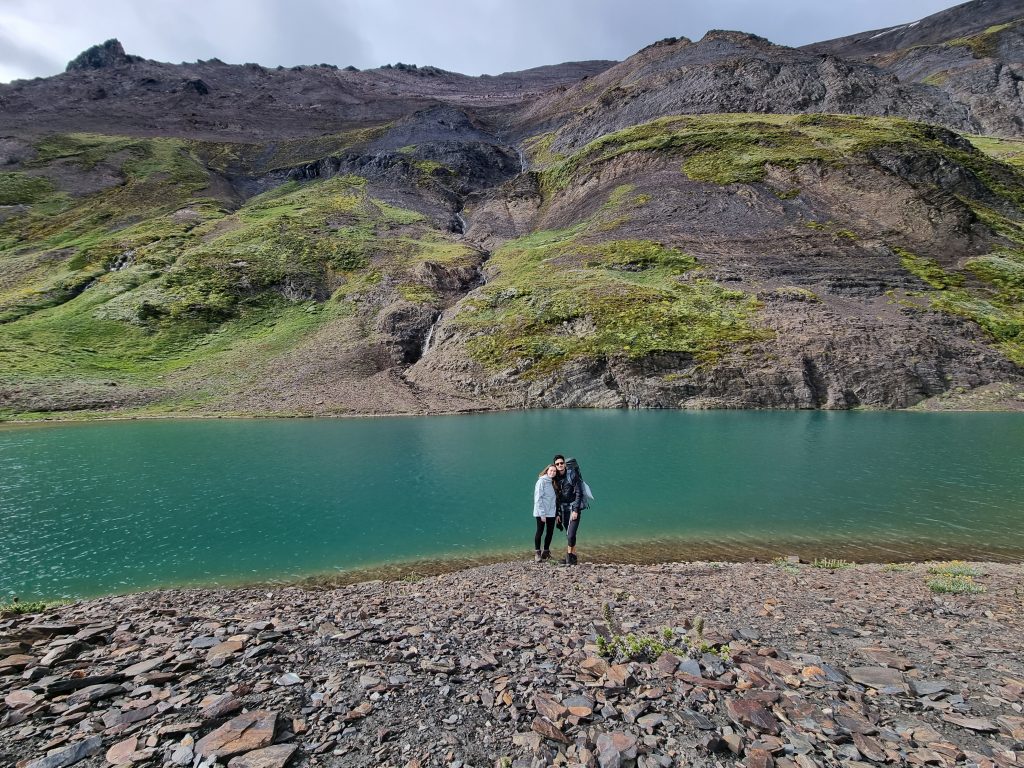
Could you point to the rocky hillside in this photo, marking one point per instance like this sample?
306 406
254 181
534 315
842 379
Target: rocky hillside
726 223
973 53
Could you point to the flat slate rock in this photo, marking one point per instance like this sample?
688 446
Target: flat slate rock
69 755
972 723
751 714
929 687
252 730
268 757
880 678
94 693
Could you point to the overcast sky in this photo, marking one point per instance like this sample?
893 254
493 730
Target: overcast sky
39 37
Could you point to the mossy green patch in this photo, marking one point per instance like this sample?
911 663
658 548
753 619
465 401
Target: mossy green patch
538 149
1010 151
928 270
240 158
23 189
151 282
937 79
571 294
996 304
984 44
832 228
739 148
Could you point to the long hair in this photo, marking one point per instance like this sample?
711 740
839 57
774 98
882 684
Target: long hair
554 480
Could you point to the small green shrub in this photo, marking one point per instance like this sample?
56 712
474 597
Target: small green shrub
955 584
831 564
636 647
953 568
17 607
785 565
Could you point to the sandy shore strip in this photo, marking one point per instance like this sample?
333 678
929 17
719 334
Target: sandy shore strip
522 664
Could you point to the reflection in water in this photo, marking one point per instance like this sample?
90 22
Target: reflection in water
99 508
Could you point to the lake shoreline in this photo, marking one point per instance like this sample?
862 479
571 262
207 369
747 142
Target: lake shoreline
1010 407
804 665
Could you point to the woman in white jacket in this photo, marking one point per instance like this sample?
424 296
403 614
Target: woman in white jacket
544 510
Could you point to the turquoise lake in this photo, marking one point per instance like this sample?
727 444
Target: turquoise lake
89 509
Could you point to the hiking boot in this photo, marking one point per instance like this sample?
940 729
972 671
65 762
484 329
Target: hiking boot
536 556
573 560
568 560
545 555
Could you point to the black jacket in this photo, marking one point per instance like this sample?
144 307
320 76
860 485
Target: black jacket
570 489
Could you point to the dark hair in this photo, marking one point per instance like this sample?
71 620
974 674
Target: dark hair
557 457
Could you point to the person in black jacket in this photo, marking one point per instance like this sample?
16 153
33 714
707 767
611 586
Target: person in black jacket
571 502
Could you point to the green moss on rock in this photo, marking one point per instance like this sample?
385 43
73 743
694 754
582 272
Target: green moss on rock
563 295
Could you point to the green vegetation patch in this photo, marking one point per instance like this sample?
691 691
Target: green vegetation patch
567 294
539 150
1010 151
953 568
928 270
23 189
831 564
17 608
984 44
995 301
647 648
955 584
738 148
152 280
240 158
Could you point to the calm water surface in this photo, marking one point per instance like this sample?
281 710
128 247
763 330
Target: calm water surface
98 508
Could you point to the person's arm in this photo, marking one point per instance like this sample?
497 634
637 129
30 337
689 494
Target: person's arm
538 493
577 493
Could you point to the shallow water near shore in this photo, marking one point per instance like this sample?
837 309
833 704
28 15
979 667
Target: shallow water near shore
91 509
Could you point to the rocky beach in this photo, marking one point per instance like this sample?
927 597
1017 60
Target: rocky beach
783 664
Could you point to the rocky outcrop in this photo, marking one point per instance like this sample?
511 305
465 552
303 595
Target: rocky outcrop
973 52
963 20
108 54
732 72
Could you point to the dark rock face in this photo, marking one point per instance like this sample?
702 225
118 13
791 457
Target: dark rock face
108 54
959 21
734 72
973 52
257 103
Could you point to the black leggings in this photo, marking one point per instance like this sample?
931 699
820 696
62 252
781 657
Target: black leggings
571 529
542 524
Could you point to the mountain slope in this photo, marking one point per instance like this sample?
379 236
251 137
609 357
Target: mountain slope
429 242
960 21
732 72
973 52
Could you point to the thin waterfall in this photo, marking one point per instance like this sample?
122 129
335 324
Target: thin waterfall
522 160
430 334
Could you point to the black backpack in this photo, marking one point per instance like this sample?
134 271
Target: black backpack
573 466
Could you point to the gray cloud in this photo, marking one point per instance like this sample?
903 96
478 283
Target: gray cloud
21 58
484 36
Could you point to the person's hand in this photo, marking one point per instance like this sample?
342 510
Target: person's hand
575 516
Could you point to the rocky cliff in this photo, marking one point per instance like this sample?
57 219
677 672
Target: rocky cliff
721 223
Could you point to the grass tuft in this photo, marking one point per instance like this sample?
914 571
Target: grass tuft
831 564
